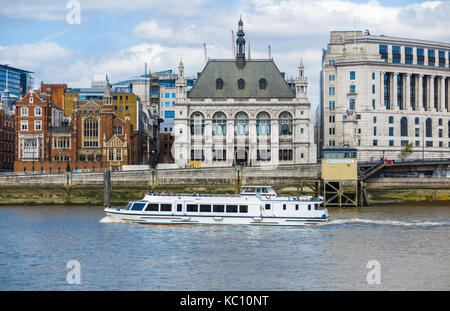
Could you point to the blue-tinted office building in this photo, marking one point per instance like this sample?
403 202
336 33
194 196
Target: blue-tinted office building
16 80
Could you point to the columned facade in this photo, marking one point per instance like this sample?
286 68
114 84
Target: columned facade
387 94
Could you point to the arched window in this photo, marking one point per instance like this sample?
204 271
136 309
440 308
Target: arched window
197 124
90 133
241 84
262 83
219 83
241 124
24 111
285 124
428 126
219 124
38 111
404 126
263 124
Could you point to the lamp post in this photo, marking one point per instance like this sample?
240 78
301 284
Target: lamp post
423 141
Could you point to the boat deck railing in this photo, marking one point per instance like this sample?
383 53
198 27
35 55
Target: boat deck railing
197 195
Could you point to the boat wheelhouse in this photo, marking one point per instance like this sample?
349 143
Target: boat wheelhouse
256 205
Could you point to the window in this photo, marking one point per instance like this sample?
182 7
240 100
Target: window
90 133
243 208
331 104
391 119
167 95
267 206
429 143
352 75
331 90
37 125
24 125
285 154
373 75
138 206
374 119
30 149
117 130
151 207
352 103
417 132
375 142
24 111
262 83
391 131
192 208
118 154
179 207
428 126
232 208
241 84
219 124
205 208
404 126
285 124
391 143
38 111
111 155
241 124
169 114
374 131
352 89
219 83
197 124
263 124
284 207
218 208
373 88
416 120
166 207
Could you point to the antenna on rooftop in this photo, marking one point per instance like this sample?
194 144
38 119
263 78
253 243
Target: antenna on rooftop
206 54
270 53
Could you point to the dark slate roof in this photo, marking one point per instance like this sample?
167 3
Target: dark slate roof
227 70
60 129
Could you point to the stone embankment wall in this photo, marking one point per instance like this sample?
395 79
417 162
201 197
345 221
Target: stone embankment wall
283 174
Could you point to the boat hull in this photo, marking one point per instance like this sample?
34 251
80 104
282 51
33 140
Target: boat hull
149 219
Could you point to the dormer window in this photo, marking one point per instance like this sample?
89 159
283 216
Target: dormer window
241 84
219 84
262 83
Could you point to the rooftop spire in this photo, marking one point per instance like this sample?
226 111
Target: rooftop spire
240 45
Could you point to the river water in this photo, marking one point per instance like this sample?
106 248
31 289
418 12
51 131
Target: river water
410 242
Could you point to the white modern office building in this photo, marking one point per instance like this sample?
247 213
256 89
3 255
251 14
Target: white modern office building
380 93
243 112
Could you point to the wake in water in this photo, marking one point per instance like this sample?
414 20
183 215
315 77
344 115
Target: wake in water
387 222
111 220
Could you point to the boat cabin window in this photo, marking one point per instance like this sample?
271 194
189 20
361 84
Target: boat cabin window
232 208
151 207
309 207
249 190
179 207
192 208
284 207
205 208
166 207
264 190
128 206
218 208
243 208
296 207
267 206
138 206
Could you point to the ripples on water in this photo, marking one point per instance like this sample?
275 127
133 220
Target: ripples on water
410 242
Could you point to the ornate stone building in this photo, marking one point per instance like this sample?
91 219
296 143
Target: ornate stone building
380 93
242 112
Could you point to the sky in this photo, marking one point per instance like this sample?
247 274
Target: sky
118 37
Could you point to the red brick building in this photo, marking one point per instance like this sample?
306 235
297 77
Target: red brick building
93 138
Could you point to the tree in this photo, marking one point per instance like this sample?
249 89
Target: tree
406 151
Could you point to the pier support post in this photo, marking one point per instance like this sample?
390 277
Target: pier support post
107 188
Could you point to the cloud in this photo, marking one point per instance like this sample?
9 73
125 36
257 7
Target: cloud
177 29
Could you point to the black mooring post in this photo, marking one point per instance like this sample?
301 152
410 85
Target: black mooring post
107 188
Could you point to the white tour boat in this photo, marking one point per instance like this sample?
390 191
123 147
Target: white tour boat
256 205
